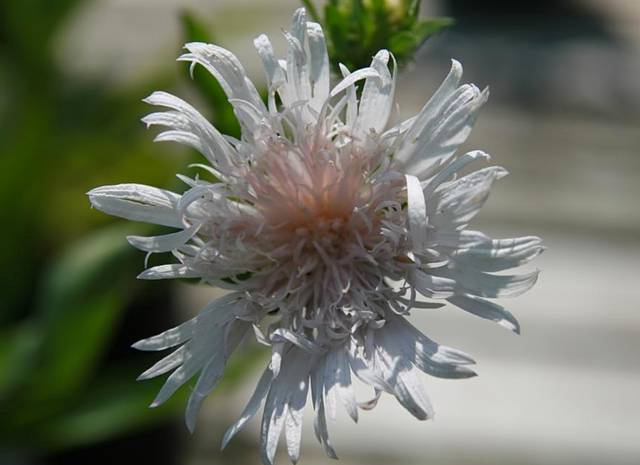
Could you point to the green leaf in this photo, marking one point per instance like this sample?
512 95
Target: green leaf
428 27
357 29
83 296
114 406
29 26
193 29
18 348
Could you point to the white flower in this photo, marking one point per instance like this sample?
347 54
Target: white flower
327 223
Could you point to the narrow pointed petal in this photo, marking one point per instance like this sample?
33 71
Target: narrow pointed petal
352 78
165 365
168 272
252 406
319 71
377 97
487 310
417 213
442 125
164 243
137 202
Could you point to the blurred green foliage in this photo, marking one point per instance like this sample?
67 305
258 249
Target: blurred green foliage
357 29
65 291
68 277
54 392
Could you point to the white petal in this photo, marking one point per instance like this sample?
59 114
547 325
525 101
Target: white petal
252 406
442 125
217 312
294 372
188 126
137 202
283 334
365 370
165 365
376 101
319 64
169 338
435 287
298 84
499 254
352 100
351 79
193 363
417 214
275 75
226 68
214 369
487 310
209 378
429 112
425 347
173 271
320 420
293 423
164 243
492 285
453 168
338 382
461 200
425 354
401 376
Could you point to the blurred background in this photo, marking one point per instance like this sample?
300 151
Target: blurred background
564 119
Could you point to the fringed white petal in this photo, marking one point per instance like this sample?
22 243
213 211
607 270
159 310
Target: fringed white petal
285 394
274 73
430 357
283 334
252 406
172 271
499 254
458 202
138 202
487 310
489 285
337 381
165 365
435 287
163 243
352 100
448 172
401 375
442 125
213 370
229 72
352 78
187 126
376 101
209 339
417 214
319 65
298 83
320 419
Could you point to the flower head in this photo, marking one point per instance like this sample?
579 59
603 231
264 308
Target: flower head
329 225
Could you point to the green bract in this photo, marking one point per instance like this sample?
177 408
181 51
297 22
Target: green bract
357 29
